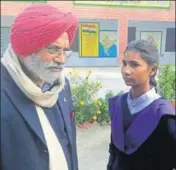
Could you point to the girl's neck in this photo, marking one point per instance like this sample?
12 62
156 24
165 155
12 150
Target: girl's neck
137 91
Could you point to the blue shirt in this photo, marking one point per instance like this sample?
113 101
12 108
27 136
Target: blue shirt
138 104
47 87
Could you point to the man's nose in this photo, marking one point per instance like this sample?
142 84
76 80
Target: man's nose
60 59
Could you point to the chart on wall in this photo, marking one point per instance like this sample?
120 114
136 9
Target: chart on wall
94 42
154 37
108 44
89 36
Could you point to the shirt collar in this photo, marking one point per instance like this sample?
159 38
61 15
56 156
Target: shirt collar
150 93
47 86
142 101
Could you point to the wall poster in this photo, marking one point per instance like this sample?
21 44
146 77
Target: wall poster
89 39
108 44
94 42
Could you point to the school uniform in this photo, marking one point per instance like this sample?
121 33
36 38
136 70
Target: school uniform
143 133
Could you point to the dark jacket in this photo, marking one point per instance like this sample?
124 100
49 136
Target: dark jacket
146 143
23 146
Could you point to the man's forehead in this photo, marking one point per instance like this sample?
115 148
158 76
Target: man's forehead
62 41
64 35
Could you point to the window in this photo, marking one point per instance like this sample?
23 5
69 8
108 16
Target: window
131 34
170 40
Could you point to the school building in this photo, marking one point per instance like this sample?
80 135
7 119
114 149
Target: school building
106 27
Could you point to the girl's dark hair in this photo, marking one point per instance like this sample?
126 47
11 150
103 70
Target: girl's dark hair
148 52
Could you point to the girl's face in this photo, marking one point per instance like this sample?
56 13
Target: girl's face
135 70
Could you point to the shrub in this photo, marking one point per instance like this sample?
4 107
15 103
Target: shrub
88 107
166 82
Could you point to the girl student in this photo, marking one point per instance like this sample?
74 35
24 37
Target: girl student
143 124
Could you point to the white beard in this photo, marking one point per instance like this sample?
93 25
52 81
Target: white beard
39 71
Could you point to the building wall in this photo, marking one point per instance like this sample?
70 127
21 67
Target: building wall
122 15
143 26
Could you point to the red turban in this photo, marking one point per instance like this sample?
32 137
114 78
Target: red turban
38 26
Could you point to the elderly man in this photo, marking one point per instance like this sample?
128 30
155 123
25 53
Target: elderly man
37 117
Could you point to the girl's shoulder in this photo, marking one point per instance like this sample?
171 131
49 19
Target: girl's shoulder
114 101
164 107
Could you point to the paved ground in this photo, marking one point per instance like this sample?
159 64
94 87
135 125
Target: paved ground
93 147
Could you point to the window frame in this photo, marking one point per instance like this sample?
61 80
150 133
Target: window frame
166 45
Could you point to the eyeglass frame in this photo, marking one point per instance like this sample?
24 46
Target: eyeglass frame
66 52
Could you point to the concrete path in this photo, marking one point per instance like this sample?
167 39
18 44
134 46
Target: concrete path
93 147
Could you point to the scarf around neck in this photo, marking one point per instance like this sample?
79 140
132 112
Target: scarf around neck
26 85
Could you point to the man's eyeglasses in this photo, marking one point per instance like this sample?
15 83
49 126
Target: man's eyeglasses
54 49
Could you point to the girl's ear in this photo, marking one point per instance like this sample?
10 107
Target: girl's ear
153 71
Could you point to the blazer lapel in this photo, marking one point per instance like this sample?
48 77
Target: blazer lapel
25 106
63 104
